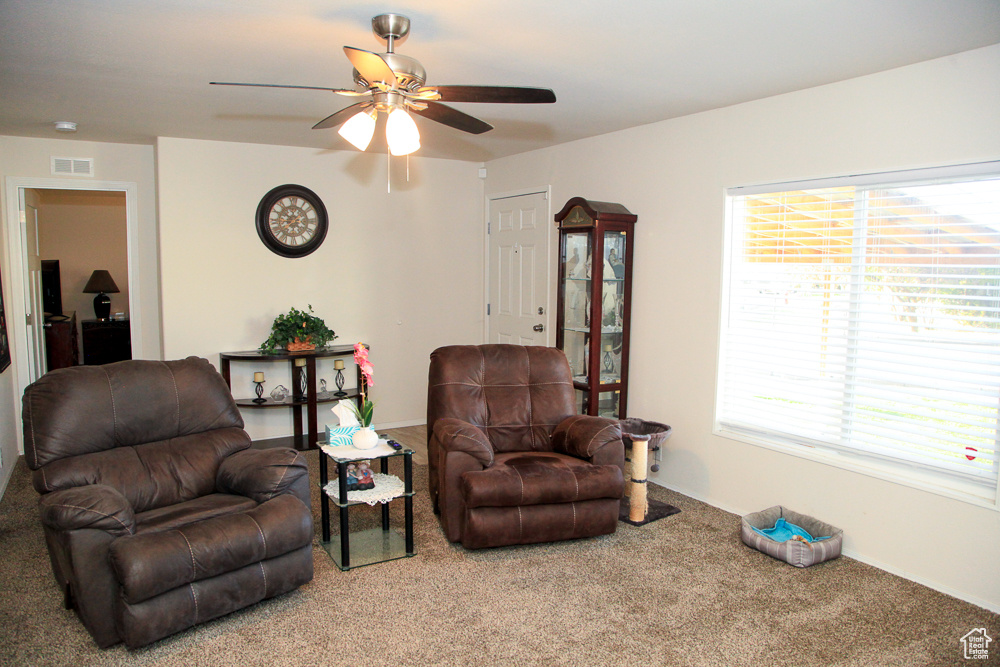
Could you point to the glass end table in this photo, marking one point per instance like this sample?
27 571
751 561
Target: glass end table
372 545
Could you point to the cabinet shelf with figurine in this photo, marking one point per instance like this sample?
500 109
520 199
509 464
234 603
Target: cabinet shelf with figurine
595 301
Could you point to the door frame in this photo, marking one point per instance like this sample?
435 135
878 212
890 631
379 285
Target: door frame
16 267
550 292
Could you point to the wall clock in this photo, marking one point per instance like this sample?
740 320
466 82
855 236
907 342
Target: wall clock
292 221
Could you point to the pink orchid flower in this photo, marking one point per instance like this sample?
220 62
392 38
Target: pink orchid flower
367 370
361 358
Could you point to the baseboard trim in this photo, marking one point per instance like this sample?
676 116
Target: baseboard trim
867 560
403 424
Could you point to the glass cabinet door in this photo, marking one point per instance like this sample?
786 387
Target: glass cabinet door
577 270
612 307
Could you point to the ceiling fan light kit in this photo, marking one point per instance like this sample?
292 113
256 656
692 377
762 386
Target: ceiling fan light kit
360 129
394 85
401 133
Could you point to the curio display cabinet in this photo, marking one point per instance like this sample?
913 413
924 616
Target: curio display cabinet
595 301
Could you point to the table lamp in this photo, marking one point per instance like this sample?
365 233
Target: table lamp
100 283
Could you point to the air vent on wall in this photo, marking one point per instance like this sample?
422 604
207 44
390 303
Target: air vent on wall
73 166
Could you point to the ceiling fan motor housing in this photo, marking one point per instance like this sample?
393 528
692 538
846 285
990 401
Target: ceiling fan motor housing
410 74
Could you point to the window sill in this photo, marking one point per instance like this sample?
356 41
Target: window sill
896 474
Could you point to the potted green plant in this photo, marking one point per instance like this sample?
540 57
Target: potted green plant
297 330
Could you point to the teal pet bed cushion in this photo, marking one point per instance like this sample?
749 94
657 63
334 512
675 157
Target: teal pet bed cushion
795 538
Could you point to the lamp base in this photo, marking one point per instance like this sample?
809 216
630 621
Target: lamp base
102 306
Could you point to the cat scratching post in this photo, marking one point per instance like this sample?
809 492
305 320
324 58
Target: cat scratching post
637 494
640 437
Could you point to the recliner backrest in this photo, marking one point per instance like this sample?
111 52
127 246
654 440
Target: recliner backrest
516 394
156 430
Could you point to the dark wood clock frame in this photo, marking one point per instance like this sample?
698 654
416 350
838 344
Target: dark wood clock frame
264 226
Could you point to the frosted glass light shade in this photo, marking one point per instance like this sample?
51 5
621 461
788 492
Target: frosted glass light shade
359 129
401 133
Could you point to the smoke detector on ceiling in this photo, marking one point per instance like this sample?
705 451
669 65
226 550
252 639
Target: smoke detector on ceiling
65 126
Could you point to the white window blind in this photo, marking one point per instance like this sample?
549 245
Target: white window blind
864 318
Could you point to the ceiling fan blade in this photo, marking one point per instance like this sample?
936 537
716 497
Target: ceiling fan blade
335 119
370 65
342 91
495 94
453 118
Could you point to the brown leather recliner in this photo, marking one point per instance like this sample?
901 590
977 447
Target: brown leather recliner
510 461
157 515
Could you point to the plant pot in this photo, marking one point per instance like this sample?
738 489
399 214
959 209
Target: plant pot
365 438
299 346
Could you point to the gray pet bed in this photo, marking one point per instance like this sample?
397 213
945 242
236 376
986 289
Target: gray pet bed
793 552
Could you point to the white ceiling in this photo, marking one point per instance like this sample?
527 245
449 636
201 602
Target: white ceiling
131 70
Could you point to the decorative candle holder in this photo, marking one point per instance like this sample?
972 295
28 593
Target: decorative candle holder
609 362
303 385
338 365
258 380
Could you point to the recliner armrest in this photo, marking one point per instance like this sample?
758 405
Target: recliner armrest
96 506
596 439
456 435
262 474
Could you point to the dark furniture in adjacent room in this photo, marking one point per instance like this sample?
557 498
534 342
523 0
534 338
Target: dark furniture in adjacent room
62 347
509 460
106 341
157 514
51 287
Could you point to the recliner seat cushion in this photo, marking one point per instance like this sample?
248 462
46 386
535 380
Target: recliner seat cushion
190 511
152 563
540 478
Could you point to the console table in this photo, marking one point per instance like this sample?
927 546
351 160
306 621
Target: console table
301 439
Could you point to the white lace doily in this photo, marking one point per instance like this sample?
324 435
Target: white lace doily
386 488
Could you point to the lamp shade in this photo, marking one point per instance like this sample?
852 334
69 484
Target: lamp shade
401 133
359 129
100 281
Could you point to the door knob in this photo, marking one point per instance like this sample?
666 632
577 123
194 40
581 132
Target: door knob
538 327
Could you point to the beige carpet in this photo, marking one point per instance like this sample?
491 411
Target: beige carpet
681 591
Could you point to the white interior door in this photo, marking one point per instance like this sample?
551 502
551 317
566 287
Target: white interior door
518 306
34 314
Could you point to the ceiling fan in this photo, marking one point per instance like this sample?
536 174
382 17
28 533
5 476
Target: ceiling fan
394 84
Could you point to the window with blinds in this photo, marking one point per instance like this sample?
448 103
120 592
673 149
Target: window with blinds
862 318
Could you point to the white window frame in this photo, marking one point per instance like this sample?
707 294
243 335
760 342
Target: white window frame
893 471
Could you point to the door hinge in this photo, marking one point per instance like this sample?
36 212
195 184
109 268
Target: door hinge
489 228
487 309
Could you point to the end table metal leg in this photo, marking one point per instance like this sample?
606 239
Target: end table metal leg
384 467
408 476
324 500
409 524
345 530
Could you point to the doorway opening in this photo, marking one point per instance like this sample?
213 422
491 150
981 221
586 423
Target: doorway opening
40 221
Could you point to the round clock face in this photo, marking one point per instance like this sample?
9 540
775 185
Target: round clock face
291 221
